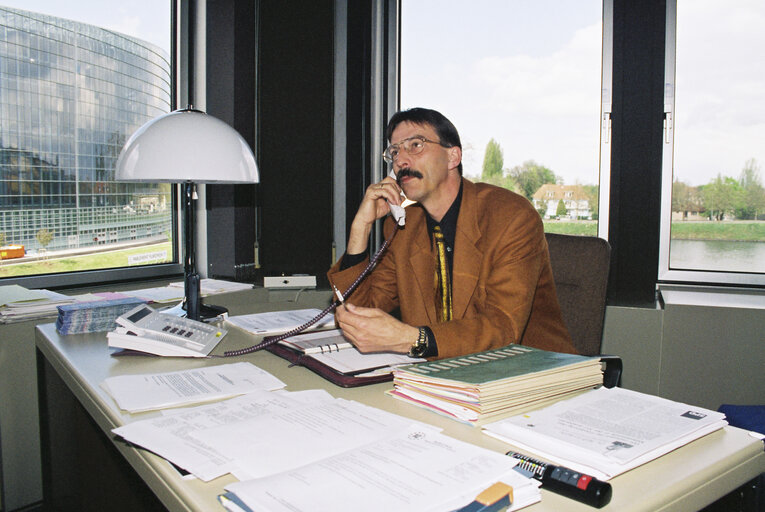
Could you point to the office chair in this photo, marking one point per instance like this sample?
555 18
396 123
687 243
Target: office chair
580 266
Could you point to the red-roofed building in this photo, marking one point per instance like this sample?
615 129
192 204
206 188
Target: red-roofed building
574 198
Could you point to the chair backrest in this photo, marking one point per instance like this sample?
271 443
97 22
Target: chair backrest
580 269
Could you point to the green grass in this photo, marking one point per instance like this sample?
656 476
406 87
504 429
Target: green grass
747 231
579 227
103 260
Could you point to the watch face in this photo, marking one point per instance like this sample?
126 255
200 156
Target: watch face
418 350
420 346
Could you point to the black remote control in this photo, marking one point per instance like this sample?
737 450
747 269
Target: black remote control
567 482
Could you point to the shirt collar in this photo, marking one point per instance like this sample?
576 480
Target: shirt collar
448 223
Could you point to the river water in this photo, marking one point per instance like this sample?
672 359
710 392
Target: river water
719 255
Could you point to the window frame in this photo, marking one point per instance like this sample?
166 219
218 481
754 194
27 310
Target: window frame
179 28
665 273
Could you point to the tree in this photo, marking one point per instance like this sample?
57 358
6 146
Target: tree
492 161
530 176
721 196
752 192
44 237
593 196
685 198
561 210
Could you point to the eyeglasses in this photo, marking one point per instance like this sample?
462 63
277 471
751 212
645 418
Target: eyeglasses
412 145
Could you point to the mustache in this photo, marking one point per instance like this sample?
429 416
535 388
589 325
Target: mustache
414 173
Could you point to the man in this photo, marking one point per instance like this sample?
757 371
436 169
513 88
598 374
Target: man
491 286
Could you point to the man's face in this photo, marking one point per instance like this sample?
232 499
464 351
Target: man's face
422 176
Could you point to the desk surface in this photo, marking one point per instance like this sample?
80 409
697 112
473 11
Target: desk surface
686 479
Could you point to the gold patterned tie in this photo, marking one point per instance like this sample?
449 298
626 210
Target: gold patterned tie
443 284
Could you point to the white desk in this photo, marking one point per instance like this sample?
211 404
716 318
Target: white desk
74 366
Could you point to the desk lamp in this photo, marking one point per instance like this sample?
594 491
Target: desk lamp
188 147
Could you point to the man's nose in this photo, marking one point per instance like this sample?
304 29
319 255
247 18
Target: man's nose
403 161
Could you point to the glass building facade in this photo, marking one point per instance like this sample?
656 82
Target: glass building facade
70 96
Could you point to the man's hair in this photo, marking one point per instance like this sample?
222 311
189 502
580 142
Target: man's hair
447 133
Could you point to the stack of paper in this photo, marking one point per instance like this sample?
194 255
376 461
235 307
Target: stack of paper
214 286
606 432
18 304
308 451
145 392
479 386
93 316
277 322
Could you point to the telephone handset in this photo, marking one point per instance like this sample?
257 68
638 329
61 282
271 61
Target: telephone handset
399 215
398 211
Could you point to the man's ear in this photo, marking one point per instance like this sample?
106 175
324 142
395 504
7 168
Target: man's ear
455 156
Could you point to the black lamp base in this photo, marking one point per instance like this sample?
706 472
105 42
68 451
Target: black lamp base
207 312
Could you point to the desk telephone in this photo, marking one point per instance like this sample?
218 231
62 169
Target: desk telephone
398 213
147 330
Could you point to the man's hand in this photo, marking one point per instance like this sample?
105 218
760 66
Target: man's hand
374 206
373 330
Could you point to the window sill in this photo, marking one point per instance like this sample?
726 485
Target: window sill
689 295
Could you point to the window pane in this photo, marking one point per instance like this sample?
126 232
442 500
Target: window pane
521 82
76 80
718 199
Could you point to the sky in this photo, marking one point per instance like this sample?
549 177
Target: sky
145 19
527 73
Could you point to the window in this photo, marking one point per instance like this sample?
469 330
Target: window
521 81
713 200
76 80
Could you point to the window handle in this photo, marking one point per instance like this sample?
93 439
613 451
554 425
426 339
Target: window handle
605 126
668 127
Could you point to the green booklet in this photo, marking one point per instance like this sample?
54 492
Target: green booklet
501 364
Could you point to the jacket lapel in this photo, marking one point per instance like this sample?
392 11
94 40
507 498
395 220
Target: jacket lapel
423 267
467 255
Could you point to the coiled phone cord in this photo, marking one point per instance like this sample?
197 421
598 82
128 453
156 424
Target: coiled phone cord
270 340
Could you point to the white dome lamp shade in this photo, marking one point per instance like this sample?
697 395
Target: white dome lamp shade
188 146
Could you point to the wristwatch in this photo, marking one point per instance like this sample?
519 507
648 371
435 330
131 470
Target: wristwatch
420 346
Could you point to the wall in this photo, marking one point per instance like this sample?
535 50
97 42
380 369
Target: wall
700 348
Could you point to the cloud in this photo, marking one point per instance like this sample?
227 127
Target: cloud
564 83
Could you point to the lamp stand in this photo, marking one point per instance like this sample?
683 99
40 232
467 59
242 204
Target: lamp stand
192 301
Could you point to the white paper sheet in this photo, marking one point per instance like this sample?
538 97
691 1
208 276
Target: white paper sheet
416 470
351 361
606 432
269 444
135 393
169 436
273 322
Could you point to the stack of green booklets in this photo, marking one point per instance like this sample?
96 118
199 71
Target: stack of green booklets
487 384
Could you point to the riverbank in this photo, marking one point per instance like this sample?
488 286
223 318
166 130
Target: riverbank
733 230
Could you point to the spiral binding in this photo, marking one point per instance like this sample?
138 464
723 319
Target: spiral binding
270 340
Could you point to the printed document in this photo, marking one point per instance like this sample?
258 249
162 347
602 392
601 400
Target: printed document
294 436
169 436
273 322
415 470
606 432
135 393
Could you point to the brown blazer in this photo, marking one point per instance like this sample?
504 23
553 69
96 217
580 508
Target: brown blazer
502 284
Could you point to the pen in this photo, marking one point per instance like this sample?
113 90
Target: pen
564 481
339 295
